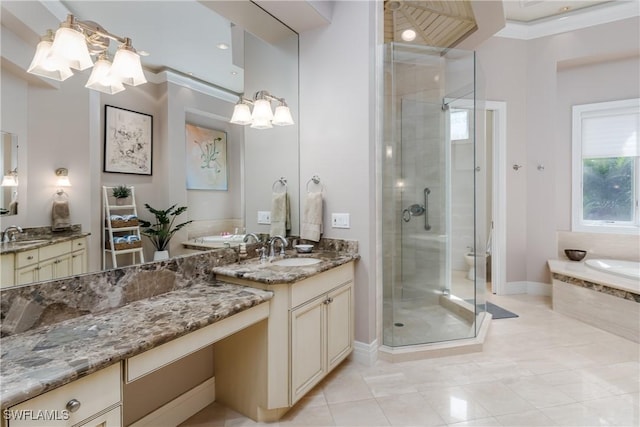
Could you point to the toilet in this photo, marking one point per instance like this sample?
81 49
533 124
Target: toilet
472 260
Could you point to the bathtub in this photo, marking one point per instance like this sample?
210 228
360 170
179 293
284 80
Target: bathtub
630 269
604 293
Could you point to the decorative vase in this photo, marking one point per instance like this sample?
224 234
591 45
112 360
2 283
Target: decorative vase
160 255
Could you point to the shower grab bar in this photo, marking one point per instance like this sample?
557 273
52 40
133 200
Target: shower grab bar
426 208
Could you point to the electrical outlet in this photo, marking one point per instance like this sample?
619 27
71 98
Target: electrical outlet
264 217
340 220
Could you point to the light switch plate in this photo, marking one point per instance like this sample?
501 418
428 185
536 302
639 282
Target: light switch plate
264 217
340 220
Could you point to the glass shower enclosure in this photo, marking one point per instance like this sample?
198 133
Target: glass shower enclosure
434 257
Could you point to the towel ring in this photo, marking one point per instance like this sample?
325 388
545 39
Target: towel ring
282 181
316 180
61 195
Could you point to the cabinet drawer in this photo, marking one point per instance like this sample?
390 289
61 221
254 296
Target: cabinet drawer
310 288
95 393
55 250
78 244
26 258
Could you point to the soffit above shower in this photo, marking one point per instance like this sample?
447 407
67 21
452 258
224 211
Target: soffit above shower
436 23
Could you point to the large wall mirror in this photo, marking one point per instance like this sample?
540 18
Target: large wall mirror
9 162
202 55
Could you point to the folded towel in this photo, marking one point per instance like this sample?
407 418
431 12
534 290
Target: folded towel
280 217
60 217
312 219
129 217
116 217
119 240
131 238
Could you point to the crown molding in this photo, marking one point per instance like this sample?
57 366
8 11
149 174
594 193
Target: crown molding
578 20
179 79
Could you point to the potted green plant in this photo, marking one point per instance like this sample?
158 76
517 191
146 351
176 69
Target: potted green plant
121 193
162 230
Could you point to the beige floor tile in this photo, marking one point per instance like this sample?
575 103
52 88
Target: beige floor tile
304 414
497 398
483 422
574 415
618 410
537 393
454 404
526 419
360 413
409 410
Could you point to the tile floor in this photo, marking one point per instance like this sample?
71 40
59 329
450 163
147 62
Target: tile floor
541 369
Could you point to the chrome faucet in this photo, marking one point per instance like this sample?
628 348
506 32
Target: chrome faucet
283 245
246 237
6 237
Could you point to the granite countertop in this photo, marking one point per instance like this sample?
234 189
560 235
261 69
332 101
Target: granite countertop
38 242
267 272
42 359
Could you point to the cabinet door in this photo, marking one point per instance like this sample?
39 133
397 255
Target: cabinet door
79 262
27 274
308 362
46 269
339 324
62 266
7 272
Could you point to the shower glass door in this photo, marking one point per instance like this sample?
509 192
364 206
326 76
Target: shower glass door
428 196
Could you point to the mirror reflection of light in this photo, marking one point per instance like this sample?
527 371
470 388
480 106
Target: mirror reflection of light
458 408
389 151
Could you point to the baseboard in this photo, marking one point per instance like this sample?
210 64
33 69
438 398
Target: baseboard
365 354
526 287
182 407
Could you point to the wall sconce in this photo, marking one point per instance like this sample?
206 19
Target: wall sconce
262 116
62 181
72 46
10 179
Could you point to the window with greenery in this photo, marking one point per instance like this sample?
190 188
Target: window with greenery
606 166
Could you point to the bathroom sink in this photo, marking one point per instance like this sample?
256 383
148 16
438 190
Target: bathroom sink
296 262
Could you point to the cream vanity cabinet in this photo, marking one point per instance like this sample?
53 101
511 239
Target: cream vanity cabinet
91 401
45 263
310 330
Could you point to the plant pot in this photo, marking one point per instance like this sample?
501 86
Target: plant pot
160 255
122 201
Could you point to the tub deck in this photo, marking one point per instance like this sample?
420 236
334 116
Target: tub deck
607 301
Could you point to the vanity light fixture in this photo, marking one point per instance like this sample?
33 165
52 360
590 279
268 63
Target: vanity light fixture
10 179
262 116
62 175
72 46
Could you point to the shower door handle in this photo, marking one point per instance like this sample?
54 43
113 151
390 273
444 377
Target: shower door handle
426 209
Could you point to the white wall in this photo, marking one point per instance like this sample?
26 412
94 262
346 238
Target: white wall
337 136
525 75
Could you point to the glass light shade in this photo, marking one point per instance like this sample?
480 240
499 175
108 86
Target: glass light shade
63 181
241 115
70 46
127 66
282 116
45 65
261 111
9 181
261 124
102 79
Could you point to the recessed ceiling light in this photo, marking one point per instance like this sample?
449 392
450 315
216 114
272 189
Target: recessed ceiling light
222 46
565 9
234 73
408 35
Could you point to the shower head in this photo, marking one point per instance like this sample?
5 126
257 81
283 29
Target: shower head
445 106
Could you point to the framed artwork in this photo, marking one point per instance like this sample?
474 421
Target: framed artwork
128 141
206 154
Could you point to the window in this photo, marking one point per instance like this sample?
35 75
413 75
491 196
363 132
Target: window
606 167
459 124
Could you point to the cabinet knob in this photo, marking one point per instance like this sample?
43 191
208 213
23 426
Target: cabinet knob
30 257
328 301
73 405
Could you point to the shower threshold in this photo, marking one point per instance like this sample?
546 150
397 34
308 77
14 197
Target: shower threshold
438 349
